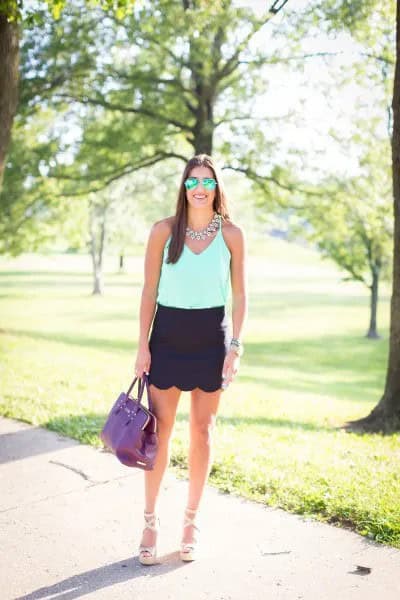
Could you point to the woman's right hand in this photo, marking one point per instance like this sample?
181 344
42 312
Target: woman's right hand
143 361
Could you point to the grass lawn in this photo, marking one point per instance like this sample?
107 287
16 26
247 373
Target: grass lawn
307 368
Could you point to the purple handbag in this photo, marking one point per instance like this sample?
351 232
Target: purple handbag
130 431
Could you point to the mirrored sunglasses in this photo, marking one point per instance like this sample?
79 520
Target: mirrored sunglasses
208 183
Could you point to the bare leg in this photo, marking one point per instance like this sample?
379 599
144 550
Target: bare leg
165 403
203 414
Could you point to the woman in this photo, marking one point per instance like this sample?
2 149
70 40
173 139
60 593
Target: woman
190 259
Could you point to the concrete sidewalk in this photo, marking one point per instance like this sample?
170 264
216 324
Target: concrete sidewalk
71 519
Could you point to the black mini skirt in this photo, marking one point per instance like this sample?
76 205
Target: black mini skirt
188 348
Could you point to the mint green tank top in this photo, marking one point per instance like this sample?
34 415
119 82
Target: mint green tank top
196 280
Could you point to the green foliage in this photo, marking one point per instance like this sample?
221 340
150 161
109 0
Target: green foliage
350 218
30 209
137 91
11 9
126 94
363 18
352 223
15 10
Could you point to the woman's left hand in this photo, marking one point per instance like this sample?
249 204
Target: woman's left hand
230 368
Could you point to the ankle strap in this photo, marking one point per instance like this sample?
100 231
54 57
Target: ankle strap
150 521
189 521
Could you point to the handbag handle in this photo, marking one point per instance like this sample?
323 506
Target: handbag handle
142 383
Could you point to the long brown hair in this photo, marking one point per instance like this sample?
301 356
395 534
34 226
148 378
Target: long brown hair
180 222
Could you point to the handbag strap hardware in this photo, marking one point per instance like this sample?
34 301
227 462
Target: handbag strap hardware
143 427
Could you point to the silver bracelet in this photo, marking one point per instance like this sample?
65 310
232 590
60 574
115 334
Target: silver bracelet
236 346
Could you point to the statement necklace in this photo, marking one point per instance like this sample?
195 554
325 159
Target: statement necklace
209 230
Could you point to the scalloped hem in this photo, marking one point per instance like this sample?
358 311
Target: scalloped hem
184 388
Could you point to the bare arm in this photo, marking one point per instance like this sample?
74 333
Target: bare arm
236 243
239 283
152 269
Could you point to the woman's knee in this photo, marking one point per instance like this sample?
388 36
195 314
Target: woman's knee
203 429
165 426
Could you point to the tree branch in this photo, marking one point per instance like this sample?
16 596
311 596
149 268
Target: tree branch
259 62
350 269
155 40
233 61
29 211
384 59
286 59
126 109
262 179
252 118
88 178
148 78
152 160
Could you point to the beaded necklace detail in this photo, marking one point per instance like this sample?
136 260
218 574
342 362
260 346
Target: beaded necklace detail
204 233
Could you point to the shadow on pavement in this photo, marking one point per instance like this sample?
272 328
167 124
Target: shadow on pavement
103 577
30 442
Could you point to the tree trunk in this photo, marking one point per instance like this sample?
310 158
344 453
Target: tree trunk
386 414
121 262
372 332
97 272
98 282
204 128
9 60
205 93
98 215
